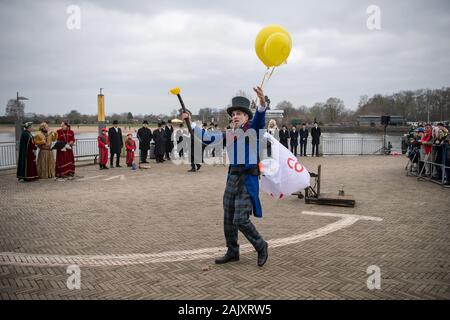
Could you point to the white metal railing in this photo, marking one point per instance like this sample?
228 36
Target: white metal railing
88 148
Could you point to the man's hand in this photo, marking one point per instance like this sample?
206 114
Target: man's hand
260 94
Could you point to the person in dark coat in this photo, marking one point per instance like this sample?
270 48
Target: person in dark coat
169 143
284 136
304 133
159 136
26 164
293 134
315 134
115 143
144 136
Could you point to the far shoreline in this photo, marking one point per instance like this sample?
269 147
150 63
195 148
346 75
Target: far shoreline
390 130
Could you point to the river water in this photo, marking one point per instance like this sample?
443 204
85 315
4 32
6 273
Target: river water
394 139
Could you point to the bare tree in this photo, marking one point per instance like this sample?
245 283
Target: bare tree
332 109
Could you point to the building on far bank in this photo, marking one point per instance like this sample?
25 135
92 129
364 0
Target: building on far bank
374 120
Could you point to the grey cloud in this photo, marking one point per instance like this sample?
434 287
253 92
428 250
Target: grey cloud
137 50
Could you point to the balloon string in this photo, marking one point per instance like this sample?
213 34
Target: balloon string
270 75
264 78
267 76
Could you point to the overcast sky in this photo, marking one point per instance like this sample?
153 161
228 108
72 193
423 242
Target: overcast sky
138 50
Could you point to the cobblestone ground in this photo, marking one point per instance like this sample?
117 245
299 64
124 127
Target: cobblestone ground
141 234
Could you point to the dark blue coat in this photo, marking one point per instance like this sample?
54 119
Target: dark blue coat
251 154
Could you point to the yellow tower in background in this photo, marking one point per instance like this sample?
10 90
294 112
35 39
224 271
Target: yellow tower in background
101 106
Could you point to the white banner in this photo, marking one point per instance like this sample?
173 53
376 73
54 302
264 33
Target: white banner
282 174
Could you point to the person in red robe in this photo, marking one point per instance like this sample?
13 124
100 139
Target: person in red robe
65 160
130 146
103 147
26 164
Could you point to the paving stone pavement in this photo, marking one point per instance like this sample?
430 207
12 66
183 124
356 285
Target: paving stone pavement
123 215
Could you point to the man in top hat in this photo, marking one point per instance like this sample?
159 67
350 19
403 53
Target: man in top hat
116 143
103 146
26 164
241 196
144 136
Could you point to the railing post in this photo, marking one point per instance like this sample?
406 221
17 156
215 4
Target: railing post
362 146
342 146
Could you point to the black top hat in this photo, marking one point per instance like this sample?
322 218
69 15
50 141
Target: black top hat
241 104
145 122
115 122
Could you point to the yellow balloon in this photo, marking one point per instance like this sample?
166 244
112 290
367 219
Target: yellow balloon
175 91
277 48
261 39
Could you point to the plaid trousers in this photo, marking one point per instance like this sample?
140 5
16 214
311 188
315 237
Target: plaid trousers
237 206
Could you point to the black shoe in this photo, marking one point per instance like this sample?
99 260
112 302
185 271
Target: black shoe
198 167
263 254
226 258
118 166
105 167
192 170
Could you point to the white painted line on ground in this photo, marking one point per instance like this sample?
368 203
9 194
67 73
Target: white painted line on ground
121 176
27 259
90 178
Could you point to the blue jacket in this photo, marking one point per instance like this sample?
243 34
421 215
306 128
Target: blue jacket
251 182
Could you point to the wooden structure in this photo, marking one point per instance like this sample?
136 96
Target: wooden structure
313 195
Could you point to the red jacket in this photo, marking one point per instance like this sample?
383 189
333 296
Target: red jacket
103 141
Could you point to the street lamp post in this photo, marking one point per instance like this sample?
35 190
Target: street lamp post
18 120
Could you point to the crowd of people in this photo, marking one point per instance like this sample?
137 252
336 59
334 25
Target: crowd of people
294 138
63 140
111 144
425 147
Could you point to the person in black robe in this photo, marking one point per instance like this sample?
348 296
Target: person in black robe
315 135
303 140
293 134
115 143
26 164
284 136
169 143
144 136
159 136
